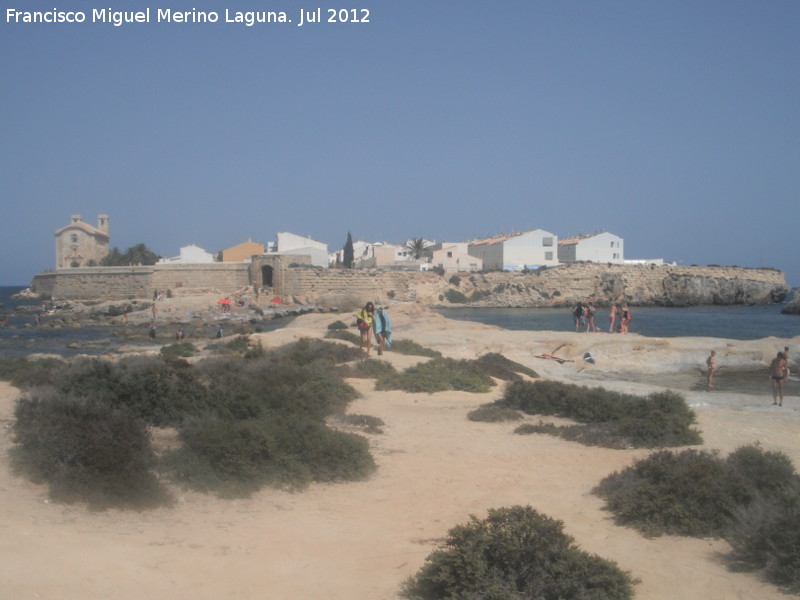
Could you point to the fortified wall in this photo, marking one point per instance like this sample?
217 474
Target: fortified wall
557 286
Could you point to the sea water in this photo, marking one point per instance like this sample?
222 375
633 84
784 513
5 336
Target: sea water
20 337
731 322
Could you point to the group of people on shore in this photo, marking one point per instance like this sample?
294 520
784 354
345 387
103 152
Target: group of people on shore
778 373
584 315
369 321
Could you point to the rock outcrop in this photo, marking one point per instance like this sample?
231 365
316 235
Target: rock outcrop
603 284
793 306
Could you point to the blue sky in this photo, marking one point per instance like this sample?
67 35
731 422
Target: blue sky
672 124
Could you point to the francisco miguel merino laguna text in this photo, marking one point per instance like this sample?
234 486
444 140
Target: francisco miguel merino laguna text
168 15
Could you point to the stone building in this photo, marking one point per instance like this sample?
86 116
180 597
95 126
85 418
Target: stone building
81 245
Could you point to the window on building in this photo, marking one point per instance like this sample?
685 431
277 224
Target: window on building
449 255
548 241
548 256
74 238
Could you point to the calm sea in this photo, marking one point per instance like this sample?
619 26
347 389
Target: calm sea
20 338
732 322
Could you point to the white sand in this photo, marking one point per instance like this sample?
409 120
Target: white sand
361 540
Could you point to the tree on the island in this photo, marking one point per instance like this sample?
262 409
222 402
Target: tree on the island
349 254
416 246
135 255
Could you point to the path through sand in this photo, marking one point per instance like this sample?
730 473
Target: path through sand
361 540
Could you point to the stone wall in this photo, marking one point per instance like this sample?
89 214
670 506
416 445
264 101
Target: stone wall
226 277
107 283
350 288
557 286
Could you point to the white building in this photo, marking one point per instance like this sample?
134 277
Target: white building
190 254
517 251
454 258
601 247
295 245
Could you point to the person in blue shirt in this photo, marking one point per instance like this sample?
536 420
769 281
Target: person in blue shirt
382 329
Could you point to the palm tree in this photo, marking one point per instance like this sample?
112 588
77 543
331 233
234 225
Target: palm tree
416 246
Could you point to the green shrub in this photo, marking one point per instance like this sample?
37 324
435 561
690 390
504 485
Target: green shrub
609 419
491 413
237 345
412 348
455 296
368 423
438 375
307 351
25 373
455 280
515 553
697 493
149 388
766 536
235 458
479 295
179 349
681 494
503 367
347 336
337 326
85 451
369 369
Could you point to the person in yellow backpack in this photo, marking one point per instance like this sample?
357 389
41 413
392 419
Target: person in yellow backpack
364 320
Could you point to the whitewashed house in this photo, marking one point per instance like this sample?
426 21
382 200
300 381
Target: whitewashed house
601 247
454 258
517 251
190 254
295 245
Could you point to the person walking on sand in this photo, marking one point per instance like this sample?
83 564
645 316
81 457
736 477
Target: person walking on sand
711 363
612 317
382 329
777 373
364 320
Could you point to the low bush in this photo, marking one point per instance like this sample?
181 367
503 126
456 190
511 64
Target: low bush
309 351
455 296
178 349
438 375
235 458
337 326
151 389
25 373
347 336
609 419
368 423
501 367
491 413
409 347
696 492
515 553
369 369
766 536
86 451
237 345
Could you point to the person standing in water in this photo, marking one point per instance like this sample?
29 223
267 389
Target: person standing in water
612 317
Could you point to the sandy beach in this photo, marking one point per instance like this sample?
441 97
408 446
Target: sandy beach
435 468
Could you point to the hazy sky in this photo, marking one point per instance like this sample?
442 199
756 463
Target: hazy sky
674 124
